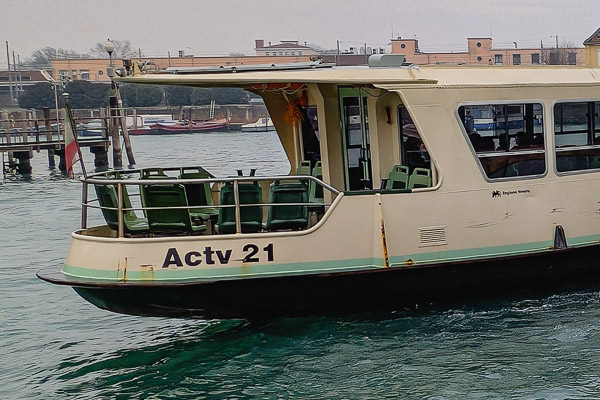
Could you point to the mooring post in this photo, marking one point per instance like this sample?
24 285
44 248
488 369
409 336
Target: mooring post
100 158
62 162
24 167
123 123
51 162
114 127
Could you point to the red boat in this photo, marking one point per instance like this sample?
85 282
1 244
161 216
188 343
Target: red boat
181 127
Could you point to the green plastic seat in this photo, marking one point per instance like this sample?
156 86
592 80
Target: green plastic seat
107 197
251 217
303 168
178 220
199 194
398 178
290 217
420 178
153 173
315 191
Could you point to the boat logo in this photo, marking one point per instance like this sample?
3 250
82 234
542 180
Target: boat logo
496 193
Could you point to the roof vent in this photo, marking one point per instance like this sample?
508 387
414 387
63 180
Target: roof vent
386 60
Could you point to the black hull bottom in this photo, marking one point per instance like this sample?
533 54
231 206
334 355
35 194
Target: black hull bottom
347 292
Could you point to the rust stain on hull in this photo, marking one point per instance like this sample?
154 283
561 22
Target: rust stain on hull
383 238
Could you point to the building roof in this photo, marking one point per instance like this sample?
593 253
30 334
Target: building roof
286 45
593 40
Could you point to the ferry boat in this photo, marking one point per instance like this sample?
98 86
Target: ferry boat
393 197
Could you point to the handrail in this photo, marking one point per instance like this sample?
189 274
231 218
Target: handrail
169 181
100 178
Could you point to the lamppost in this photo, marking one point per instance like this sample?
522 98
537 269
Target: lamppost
112 106
110 47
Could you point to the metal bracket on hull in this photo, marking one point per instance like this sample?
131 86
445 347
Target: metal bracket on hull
560 240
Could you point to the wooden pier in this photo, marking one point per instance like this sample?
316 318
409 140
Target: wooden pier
29 135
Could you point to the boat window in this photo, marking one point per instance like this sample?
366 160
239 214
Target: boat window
413 153
577 135
508 139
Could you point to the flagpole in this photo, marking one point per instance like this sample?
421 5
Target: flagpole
69 117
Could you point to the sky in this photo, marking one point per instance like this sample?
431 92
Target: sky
217 27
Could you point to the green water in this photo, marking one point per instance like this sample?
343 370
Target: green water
54 345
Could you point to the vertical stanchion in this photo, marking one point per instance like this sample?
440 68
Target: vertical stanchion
84 203
120 208
236 200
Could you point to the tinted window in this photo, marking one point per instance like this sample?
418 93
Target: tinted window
508 139
577 136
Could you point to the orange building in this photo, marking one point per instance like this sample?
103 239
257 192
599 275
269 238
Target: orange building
94 69
481 52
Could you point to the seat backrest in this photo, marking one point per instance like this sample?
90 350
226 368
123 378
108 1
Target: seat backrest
315 190
166 220
107 197
195 170
153 173
287 217
398 177
198 194
303 168
251 217
420 178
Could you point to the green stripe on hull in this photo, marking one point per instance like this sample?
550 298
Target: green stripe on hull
334 266
227 273
471 254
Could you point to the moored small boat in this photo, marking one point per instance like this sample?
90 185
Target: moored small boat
181 127
261 125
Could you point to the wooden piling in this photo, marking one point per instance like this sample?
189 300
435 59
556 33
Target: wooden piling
100 158
24 166
123 123
51 161
114 128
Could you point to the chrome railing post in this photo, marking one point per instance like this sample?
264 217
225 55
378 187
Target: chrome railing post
84 207
236 200
120 208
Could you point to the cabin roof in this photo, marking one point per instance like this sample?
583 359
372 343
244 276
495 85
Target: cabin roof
593 40
387 78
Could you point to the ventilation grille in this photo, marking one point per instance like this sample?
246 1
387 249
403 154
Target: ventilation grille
432 236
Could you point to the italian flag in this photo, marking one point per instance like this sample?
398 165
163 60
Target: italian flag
72 153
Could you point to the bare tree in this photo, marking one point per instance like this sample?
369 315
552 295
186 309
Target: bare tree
567 54
122 50
42 57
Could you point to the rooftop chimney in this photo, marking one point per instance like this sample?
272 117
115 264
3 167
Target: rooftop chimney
259 43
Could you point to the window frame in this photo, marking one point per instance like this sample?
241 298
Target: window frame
554 152
523 152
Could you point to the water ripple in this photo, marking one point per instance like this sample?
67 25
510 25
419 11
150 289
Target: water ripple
60 347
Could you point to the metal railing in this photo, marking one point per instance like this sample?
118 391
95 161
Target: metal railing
104 178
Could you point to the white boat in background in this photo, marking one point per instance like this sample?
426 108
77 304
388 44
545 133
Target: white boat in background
262 125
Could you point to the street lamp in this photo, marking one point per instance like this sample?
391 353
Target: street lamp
109 47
